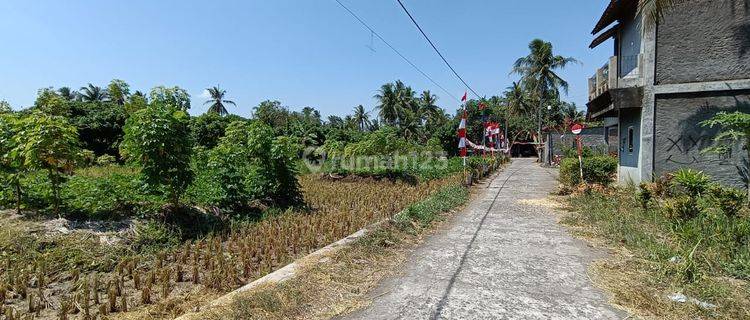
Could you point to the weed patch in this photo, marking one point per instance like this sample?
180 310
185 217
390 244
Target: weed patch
668 248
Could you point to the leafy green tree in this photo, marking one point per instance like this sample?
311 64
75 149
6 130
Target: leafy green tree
306 135
158 139
100 125
174 97
250 164
118 91
284 154
228 163
48 143
51 103
734 130
92 93
217 101
10 162
273 175
5 107
136 102
273 114
208 128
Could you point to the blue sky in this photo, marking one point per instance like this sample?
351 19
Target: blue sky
302 53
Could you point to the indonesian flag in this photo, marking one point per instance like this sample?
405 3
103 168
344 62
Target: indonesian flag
463 99
462 134
492 128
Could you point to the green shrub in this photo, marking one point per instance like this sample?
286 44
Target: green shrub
87 157
248 164
682 207
105 160
428 210
729 200
105 197
596 169
572 152
690 181
152 236
645 194
158 140
36 190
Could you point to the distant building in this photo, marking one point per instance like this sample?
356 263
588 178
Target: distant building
659 85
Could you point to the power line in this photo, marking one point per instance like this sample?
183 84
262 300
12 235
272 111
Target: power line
436 49
394 50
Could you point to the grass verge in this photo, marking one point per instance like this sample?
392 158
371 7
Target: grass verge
655 257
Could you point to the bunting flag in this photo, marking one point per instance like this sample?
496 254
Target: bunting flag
479 147
462 134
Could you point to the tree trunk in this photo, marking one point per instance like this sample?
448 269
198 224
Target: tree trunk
175 200
55 192
18 196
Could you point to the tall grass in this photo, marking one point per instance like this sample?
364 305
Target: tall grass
706 256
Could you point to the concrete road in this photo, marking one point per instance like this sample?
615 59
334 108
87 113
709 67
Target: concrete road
504 257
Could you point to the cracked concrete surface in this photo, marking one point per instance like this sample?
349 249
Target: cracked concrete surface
501 258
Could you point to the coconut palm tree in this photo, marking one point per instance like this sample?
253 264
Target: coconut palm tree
217 101
388 104
410 125
428 105
67 94
569 114
361 118
537 71
92 93
406 101
516 99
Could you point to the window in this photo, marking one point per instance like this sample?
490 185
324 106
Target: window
630 139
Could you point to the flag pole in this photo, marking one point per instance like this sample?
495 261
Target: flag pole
462 136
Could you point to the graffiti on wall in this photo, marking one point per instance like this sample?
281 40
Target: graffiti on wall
686 149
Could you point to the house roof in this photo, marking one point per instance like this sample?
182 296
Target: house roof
605 36
614 11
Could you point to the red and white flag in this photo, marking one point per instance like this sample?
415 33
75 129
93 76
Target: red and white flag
463 99
462 135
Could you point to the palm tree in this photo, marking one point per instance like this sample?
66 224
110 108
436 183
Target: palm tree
653 11
537 70
92 93
67 94
410 124
406 101
571 113
388 104
217 101
361 118
516 99
307 135
428 104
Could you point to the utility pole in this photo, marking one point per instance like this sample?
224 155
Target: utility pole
539 119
